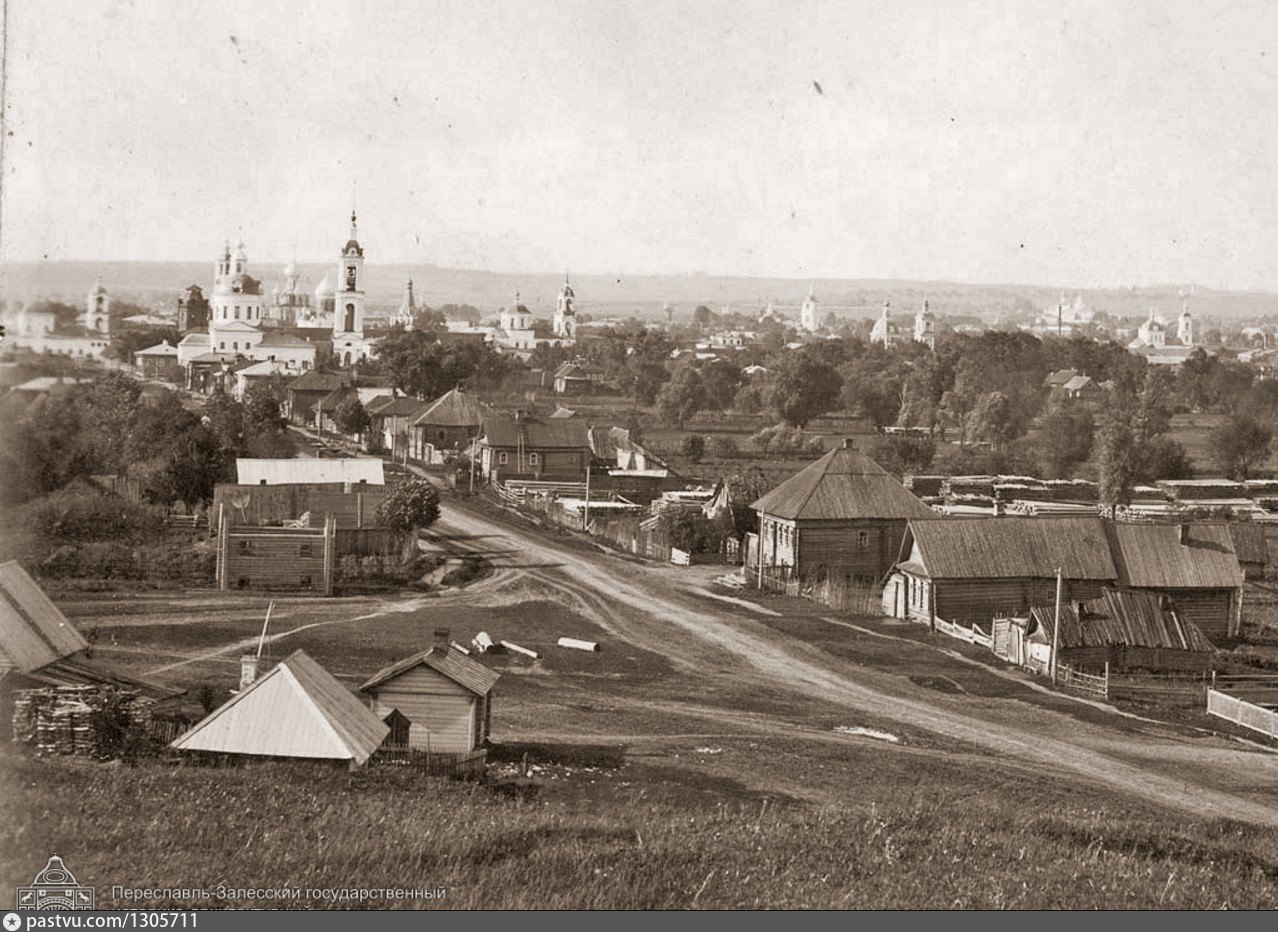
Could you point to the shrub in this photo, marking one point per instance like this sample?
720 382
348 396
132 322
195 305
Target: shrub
783 438
724 447
694 447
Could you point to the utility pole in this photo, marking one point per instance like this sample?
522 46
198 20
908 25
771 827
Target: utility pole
585 512
1056 629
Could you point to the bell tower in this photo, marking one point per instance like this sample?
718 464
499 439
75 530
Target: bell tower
348 311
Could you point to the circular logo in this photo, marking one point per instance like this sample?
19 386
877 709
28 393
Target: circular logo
12 922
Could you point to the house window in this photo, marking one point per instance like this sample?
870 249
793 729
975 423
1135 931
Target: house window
221 344
503 457
235 346
534 459
304 550
863 539
306 582
246 546
242 582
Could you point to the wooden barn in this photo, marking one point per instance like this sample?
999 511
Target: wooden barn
445 695
1195 564
842 518
972 570
296 710
39 647
1124 629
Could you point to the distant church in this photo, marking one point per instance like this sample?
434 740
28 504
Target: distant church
1157 345
890 333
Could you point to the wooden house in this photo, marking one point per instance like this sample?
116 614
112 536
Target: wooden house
159 362
531 448
298 710
448 424
842 517
389 417
445 695
972 570
306 392
276 557
1195 564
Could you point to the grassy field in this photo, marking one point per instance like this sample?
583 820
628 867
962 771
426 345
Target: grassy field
620 835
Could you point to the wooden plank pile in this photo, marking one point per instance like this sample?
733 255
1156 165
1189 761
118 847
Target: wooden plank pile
80 721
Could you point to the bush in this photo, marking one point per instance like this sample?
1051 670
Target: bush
84 514
694 447
783 438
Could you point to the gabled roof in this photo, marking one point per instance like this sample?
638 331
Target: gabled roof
454 408
264 368
191 339
163 348
235 326
1059 377
366 469
1153 556
1124 617
462 670
1249 542
316 381
297 709
559 434
33 631
1012 547
1077 383
844 484
389 406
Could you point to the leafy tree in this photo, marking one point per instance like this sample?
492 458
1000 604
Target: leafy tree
724 447
262 406
192 468
903 454
802 387
703 316
720 380
992 419
1240 445
1117 460
681 397
430 319
1065 442
351 417
408 507
1162 457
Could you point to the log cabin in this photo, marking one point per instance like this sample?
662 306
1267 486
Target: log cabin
529 448
842 518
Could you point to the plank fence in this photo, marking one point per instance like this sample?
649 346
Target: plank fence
972 635
1086 683
1241 712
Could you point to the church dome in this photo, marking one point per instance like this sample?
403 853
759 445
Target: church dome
240 255
290 270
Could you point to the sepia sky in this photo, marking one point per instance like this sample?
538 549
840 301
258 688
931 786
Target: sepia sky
1047 143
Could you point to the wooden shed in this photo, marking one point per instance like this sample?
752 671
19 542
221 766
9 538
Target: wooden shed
1193 563
842 518
1125 629
973 570
1251 547
445 695
276 557
298 709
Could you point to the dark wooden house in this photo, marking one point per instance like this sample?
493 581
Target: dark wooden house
530 448
448 424
972 570
276 557
841 518
445 696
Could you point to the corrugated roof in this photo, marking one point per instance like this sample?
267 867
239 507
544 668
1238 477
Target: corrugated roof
1152 556
1007 547
462 670
1249 542
454 408
290 472
297 709
33 631
1124 617
557 434
844 484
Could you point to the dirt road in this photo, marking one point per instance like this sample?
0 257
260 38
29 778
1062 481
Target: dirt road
659 608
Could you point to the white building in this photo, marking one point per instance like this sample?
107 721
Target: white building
808 312
349 343
565 321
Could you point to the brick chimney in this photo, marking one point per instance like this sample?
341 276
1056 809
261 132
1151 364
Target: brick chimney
248 670
441 643
1183 535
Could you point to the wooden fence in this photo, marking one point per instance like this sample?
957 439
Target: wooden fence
858 599
1243 713
1162 688
972 635
458 766
1095 686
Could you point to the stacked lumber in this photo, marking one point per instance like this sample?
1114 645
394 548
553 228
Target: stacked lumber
79 721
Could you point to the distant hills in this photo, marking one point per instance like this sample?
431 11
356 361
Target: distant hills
156 284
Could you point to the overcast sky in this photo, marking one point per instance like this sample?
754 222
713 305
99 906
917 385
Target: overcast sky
1054 143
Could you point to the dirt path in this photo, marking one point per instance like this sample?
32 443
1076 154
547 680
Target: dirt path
654 608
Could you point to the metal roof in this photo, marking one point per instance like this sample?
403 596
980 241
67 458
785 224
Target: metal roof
1153 556
1124 617
1012 547
291 472
462 670
297 709
844 484
454 408
33 631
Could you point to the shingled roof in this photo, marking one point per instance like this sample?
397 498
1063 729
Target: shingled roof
462 670
568 433
1124 617
1012 547
845 484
